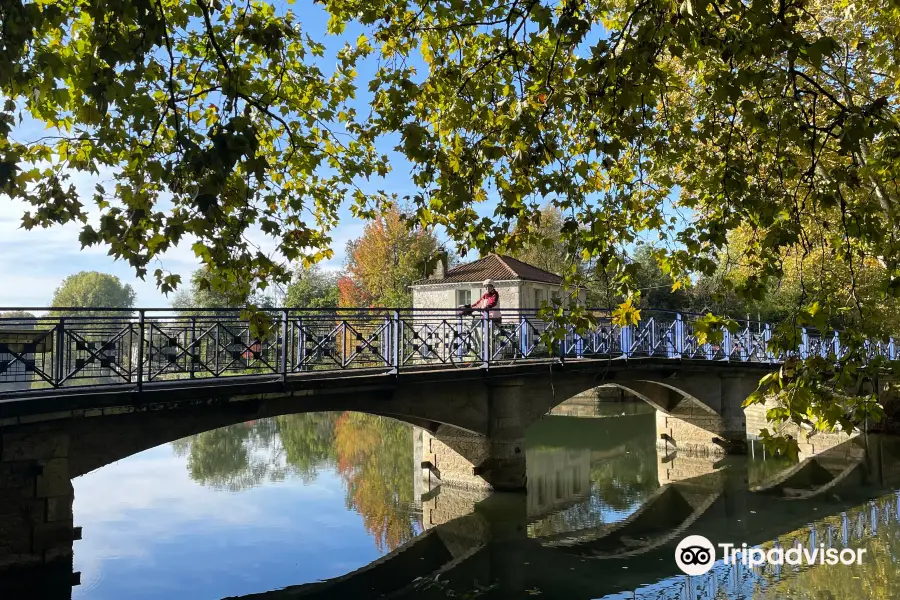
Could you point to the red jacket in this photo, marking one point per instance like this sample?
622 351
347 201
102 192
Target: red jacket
488 301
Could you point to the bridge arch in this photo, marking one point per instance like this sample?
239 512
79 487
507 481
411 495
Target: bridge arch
99 441
477 417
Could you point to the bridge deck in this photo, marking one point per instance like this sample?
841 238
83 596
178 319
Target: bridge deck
18 404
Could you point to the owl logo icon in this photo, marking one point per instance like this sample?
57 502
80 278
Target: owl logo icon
695 555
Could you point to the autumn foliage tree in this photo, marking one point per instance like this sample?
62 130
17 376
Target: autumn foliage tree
810 269
382 263
373 460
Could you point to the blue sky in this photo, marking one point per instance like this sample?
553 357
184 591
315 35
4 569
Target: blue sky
152 532
33 263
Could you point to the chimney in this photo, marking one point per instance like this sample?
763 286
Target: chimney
437 265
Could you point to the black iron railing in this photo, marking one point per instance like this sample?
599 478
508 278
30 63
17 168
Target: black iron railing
107 347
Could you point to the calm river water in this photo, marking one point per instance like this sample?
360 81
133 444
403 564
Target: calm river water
301 501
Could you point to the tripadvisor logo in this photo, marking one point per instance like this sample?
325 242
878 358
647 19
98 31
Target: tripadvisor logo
695 555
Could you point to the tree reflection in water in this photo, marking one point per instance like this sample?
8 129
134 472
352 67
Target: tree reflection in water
235 458
625 477
374 459
371 454
308 441
616 462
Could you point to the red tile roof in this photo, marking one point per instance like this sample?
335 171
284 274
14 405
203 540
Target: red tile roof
496 267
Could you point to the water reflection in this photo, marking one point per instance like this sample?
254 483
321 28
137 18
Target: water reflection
874 526
633 558
586 473
236 458
336 505
372 456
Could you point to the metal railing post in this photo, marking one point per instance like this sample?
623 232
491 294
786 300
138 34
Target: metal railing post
140 360
625 340
194 353
767 337
283 347
564 343
395 342
804 343
218 347
59 371
837 345
523 334
892 352
726 344
485 340
679 336
301 345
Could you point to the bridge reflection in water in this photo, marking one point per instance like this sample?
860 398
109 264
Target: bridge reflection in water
849 496
603 513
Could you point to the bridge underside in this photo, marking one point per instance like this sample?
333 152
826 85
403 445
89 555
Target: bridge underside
475 420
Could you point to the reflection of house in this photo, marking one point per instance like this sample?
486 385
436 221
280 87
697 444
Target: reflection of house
521 286
556 477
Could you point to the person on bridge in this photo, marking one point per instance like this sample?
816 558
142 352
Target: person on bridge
489 300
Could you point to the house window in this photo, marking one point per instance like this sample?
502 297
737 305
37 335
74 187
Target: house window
555 297
539 297
463 297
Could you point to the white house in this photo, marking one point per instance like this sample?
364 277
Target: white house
520 285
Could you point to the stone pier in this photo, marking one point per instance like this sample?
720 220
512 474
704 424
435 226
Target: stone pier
700 415
36 540
494 460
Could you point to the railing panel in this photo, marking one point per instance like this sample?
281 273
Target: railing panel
440 339
695 350
749 345
28 353
338 341
604 341
520 336
205 346
96 351
816 345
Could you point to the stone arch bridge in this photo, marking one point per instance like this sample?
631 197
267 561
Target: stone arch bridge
473 382
81 391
